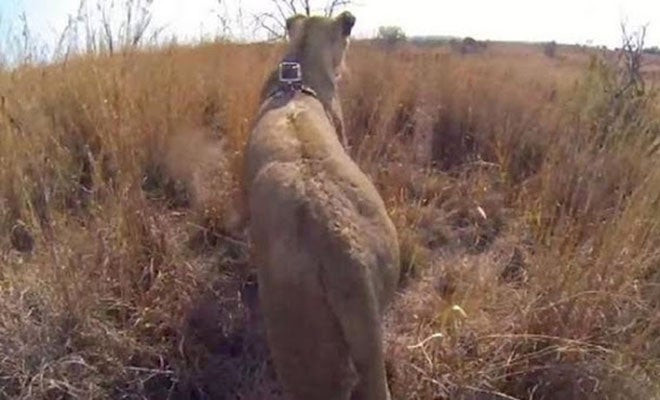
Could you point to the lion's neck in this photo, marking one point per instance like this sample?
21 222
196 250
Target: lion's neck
320 78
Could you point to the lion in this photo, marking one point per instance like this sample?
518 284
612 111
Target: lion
326 249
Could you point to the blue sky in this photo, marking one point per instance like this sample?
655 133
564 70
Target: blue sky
568 21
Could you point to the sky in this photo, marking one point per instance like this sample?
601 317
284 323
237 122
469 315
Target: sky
566 21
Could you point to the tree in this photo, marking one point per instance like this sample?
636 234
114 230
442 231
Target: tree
630 60
550 49
391 35
132 26
273 22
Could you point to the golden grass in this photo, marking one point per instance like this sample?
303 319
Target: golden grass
526 197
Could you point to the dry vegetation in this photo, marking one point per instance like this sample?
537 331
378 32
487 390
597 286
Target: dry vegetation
525 192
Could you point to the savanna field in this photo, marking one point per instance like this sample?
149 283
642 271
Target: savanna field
525 188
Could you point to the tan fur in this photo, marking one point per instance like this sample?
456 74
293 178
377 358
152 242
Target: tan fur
327 252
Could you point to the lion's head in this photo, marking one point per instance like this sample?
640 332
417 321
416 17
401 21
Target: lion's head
319 43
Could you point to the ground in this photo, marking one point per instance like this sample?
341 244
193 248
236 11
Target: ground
525 189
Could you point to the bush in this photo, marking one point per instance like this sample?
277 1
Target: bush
468 45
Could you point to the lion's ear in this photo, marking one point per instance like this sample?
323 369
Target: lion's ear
294 25
346 21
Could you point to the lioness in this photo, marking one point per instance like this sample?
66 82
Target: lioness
327 252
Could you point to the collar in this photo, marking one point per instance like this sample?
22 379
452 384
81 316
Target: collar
290 81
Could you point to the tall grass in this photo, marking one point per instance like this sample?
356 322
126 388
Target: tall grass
525 193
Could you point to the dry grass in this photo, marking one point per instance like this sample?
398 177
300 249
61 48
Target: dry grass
526 196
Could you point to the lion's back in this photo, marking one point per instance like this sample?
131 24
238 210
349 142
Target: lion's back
318 224
307 190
